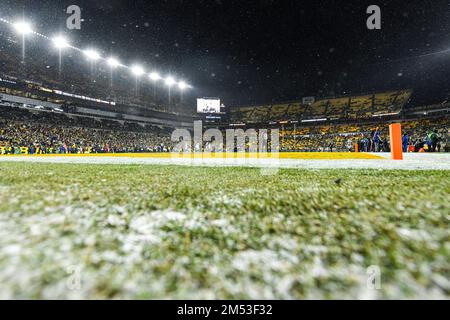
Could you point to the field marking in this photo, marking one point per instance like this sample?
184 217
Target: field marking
224 155
412 161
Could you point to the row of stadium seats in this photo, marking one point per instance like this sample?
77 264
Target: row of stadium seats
351 107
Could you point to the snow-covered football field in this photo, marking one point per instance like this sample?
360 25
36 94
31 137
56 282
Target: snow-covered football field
412 161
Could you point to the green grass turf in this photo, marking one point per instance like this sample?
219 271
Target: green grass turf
134 231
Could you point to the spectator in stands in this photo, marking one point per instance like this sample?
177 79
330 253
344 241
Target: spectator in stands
331 145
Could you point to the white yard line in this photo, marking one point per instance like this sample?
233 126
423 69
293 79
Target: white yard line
412 161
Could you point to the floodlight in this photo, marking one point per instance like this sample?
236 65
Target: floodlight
154 76
169 81
60 42
113 62
137 70
92 54
182 85
23 27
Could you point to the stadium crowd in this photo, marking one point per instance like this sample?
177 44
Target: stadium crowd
419 135
347 107
23 131
31 131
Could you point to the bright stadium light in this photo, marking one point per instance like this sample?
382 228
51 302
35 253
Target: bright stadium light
113 62
137 70
60 42
154 76
23 27
182 85
91 54
169 81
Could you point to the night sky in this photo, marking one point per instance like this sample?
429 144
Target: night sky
252 52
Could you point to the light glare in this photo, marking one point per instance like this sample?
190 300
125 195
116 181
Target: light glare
60 42
154 76
92 54
113 62
23 27
182 85
137 70
170 81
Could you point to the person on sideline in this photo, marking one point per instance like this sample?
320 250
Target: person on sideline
376 140
405 142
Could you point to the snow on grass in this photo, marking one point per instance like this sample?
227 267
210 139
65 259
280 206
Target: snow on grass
135 231
412 161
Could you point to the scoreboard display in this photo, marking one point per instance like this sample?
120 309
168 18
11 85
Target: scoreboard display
208 105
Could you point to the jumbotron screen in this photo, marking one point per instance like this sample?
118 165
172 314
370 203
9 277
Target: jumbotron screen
208 105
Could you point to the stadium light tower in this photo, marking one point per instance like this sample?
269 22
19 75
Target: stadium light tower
60 43
113 63
182 85
154 76
23 28
137 71
91 54
169 82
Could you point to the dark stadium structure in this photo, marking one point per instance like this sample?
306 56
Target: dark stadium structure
36 102
232 150
328 124
88 112
36 99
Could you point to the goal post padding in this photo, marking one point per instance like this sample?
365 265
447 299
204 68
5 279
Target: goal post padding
395 134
